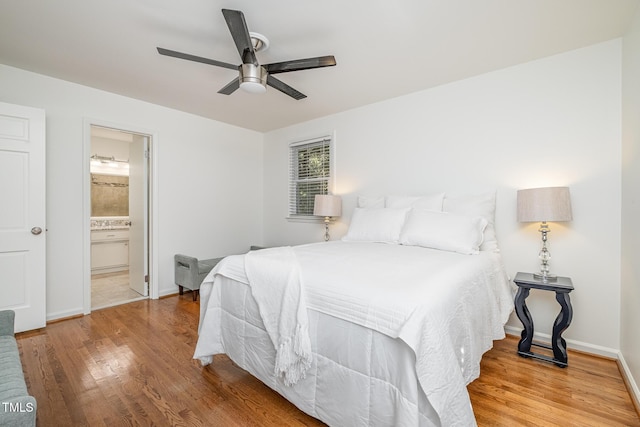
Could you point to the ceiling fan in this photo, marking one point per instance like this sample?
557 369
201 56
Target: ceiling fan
254 77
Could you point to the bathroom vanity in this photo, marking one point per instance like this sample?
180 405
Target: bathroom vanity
109 244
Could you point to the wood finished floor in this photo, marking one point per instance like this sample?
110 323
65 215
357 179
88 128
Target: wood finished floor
132 365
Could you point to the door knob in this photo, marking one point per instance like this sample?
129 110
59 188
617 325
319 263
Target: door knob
36 230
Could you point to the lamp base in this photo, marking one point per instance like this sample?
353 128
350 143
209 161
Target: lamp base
544 256
326 228
545 277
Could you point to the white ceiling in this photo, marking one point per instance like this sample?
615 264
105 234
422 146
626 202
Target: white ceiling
383 48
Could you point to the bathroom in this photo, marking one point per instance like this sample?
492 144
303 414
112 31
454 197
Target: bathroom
114 242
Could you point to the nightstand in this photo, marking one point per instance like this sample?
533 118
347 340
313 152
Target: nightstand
562 286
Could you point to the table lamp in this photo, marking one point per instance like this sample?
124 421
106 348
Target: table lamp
329 207
548 204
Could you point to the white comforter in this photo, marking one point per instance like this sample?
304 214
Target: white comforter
447 307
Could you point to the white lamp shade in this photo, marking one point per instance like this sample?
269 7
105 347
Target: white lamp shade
552 204
327 205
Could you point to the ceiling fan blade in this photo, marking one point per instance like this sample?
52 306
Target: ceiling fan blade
284 88
240 33
300 64
189 57
231 87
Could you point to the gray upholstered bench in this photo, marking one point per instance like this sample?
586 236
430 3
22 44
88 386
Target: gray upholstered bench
17 407
190 272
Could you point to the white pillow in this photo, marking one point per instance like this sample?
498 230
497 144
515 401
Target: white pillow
376 225
444 231
483 205
432 202
370 202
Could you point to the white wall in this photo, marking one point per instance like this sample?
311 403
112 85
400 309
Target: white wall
555 121
209 203
630 312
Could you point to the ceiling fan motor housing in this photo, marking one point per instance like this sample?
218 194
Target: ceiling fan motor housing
253 78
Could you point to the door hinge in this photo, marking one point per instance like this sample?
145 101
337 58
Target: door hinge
146 278
146 154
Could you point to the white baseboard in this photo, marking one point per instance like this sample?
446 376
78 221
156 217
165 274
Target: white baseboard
631 382
571 344
65 314
167 292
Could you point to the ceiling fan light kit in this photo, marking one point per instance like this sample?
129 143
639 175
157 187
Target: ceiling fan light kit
253 77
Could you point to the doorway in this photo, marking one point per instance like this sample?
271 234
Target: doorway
118 215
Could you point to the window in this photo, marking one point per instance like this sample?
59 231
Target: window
310 170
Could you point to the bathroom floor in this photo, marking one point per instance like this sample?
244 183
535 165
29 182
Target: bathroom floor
111 289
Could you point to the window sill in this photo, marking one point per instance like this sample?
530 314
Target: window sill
304 219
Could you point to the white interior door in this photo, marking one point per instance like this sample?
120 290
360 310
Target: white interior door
22 215
138 214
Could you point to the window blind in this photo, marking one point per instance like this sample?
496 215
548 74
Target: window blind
309 174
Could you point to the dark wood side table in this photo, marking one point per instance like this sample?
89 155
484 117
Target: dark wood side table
562 287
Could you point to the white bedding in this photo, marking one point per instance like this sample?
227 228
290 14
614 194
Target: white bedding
446 307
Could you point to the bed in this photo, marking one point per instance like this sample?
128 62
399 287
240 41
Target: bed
370 330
